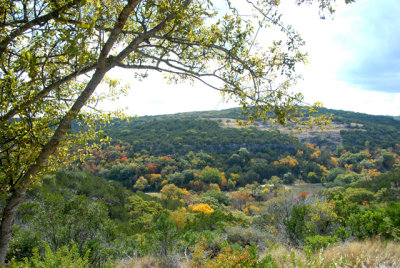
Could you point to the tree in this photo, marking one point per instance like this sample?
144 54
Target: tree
240 199
171 191
210 175
142 213
202 208
54 54
141 184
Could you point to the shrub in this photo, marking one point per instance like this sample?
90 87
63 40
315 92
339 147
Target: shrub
221 197
228 257
368 223
63 257
246 236
314 243
359 195
296 226
206 199
22 242
202 208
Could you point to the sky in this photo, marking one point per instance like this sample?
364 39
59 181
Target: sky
354 65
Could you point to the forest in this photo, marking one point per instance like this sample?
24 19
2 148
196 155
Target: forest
181 191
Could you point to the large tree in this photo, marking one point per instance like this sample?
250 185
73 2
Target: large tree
54 54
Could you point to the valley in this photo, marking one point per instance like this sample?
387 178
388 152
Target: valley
196 190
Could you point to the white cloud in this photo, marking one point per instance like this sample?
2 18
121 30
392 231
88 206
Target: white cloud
331 44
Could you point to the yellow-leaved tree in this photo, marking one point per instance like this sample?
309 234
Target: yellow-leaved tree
54 54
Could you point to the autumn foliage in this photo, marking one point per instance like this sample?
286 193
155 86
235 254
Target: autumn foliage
202 208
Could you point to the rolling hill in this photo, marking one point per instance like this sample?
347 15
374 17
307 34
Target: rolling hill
218 131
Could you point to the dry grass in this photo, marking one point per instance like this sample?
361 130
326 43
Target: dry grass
369 253
153 262
145 262
287 257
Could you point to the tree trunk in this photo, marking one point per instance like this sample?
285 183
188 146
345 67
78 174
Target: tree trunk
7 220
18 195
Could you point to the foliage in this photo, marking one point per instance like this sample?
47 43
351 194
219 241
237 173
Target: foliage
297 224
242 236
186 156
221 197
58 219
373 221
389 181
210 175
228 257
165 233
141 184
368 131
359 195
150 226
241 198
63 257
318 242
209 200
171 191
142 213
182 135
202 208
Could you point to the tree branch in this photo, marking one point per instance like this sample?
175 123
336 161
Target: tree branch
10 114
37 21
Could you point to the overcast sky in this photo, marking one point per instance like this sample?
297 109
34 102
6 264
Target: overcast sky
354 65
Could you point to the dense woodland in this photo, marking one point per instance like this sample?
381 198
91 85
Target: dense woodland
180 190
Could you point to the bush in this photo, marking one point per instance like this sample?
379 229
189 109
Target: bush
204 199
221 197
296 226
314 243
63 257
359 195
22 242
368 223
228 257
246 236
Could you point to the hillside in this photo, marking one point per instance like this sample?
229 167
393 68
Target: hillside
194 131
354 131
178 146
159 135
192 189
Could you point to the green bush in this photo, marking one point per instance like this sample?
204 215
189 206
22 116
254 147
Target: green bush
222 197
368 223
317 242
341 233
359 195
206 199
296 226
63 257
22 242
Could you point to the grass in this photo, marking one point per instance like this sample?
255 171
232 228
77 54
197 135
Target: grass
368 253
